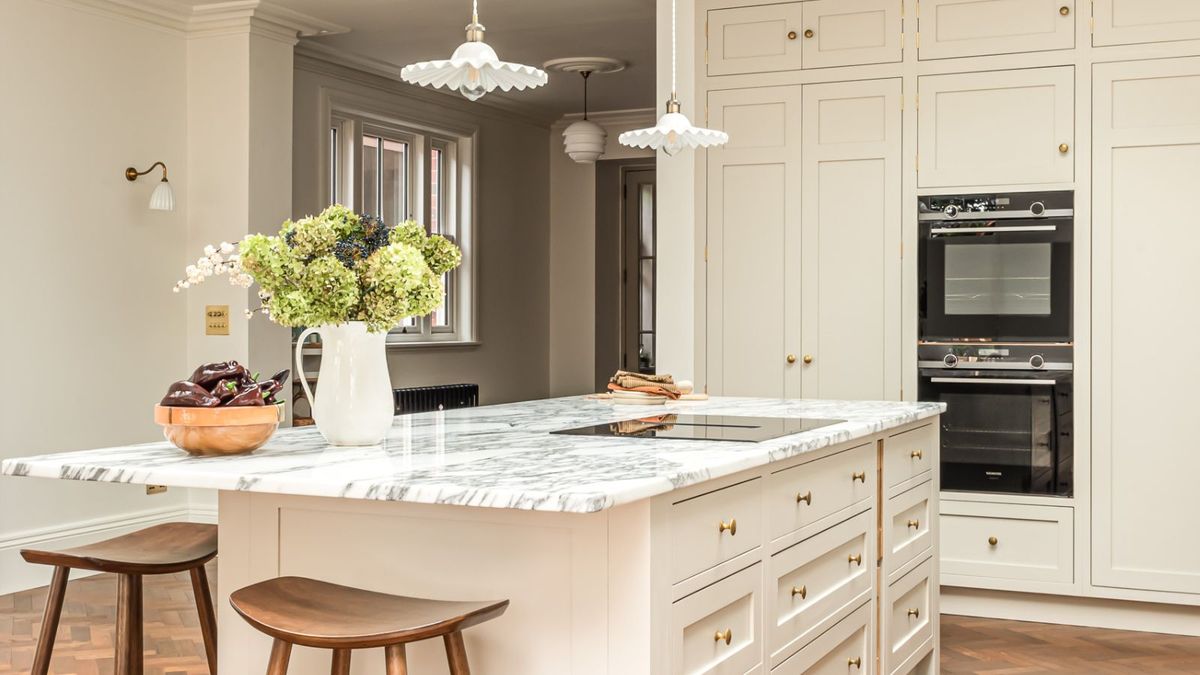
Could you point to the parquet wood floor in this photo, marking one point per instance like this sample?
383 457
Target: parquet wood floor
970 646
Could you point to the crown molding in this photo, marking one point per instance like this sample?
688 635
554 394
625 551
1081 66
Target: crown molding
209 19
157 14
631 117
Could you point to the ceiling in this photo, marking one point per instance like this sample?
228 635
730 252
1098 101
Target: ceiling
399 32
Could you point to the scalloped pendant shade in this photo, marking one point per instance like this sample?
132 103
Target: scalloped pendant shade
163 197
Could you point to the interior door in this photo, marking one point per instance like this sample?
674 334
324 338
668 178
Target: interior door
1010 127
639 271
956 28
753 231
1144 279
1123 22
847 325
758 39
851 32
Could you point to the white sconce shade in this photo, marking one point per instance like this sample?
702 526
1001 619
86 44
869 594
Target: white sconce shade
584 141
163 197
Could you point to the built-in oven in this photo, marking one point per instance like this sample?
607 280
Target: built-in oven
995 267
1009 415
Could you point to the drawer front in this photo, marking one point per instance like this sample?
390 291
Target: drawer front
908 455
842 650
715 527
1007 541
906 521
717 629
757 39
1123 22
908 624
817 581
851 32
953 28
804 494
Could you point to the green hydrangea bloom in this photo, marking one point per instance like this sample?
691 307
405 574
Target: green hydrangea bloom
409 232
441 254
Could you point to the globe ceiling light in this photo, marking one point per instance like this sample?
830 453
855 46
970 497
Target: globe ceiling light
584 140
674 130
474 69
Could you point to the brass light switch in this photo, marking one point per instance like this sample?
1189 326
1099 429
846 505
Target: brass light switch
155 489
216 320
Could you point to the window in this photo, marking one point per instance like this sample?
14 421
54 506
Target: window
397 172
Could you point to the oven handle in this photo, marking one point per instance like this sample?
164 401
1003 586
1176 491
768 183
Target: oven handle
989 380
977 230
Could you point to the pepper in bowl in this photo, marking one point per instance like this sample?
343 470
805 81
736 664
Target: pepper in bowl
221 409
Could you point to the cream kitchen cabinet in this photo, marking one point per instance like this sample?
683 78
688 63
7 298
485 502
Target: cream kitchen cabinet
954 28
794 35
992 544
803 235
996 128
1122 22
1144 273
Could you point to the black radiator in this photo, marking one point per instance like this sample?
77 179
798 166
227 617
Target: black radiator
441 397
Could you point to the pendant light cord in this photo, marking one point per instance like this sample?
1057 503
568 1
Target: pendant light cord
474 11
674 49
585 74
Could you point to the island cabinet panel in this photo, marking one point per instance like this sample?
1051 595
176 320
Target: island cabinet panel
851 32
1006 541
845 648
1123 22
909 617
805 497
817 582
718 630
907 527
715 527
954 28
1146 131
996 128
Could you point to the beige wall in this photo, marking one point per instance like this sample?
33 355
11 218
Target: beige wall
573 251
91 330
511 229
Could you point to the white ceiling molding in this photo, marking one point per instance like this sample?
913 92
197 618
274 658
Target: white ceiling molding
215 18
157 14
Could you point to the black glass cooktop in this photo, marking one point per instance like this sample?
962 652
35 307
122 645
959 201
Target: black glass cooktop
704 427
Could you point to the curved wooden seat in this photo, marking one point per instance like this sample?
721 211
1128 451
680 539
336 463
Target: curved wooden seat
311 613
161 549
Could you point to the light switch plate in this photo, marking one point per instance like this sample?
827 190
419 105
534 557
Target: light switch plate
216 320
155 489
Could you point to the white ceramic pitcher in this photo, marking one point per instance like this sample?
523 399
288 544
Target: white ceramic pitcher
353 404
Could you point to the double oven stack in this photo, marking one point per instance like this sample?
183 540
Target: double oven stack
996 338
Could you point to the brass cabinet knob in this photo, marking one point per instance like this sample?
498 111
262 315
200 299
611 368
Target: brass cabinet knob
801 591
808 358
860 476
791 358
1064 10
914 524
856 662
856 559
806 497
725 636
791 35
809 33
916 454
914 613
1063 148
730 527
992 541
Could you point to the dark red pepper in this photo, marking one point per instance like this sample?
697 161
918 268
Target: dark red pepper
189 395
209 374
250 395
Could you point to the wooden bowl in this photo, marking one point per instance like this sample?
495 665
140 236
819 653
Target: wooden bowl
218 431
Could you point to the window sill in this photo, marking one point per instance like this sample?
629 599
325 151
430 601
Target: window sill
434 344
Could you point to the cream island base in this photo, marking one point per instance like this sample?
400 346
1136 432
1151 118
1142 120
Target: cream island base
810 553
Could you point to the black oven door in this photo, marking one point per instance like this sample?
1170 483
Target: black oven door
1003 280
1004 431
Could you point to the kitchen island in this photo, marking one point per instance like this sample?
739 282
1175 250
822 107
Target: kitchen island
656 550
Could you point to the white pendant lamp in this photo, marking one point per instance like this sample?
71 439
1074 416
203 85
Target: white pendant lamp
674 130
474 69
584 140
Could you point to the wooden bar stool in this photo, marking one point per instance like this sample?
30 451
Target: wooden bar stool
310 613
162 549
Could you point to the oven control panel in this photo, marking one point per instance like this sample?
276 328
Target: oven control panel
994 356
1014 204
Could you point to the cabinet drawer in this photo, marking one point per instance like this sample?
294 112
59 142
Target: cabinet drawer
952 28
817 581
907 621
906 521
850 32
756 39
1124 22
716 630
714 527
908 455
1011 127
842 650
804 494
1033 543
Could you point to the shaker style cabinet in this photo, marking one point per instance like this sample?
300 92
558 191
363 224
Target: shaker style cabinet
954 28
1146 133
803 242
1010 127
1123 22
794 35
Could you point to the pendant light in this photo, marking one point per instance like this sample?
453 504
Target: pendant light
474 69
584 140
674 130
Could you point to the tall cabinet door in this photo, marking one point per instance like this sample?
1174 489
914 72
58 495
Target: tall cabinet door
753 230
850 270
1144 280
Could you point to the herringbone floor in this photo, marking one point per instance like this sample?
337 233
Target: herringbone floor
173 647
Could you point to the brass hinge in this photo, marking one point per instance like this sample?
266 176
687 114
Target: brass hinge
706 56
706 114
917 100
706 253
917 43
918 162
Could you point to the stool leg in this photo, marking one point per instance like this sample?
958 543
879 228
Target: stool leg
208 618
456 653
281 653
397 662
54 603
129 624
341 662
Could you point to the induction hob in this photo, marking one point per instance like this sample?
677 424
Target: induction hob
704 427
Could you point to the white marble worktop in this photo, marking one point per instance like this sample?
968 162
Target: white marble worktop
496 456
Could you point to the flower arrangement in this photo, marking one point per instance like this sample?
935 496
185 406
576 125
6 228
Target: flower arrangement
336 267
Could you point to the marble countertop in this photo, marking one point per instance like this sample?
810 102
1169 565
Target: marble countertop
496 456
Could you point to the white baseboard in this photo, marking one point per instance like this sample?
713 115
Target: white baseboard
1071 611
17 575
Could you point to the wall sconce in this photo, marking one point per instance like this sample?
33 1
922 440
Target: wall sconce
163 197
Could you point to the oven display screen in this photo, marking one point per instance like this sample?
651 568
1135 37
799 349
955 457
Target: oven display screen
998 279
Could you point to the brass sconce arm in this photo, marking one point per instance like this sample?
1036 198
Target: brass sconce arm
132 174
